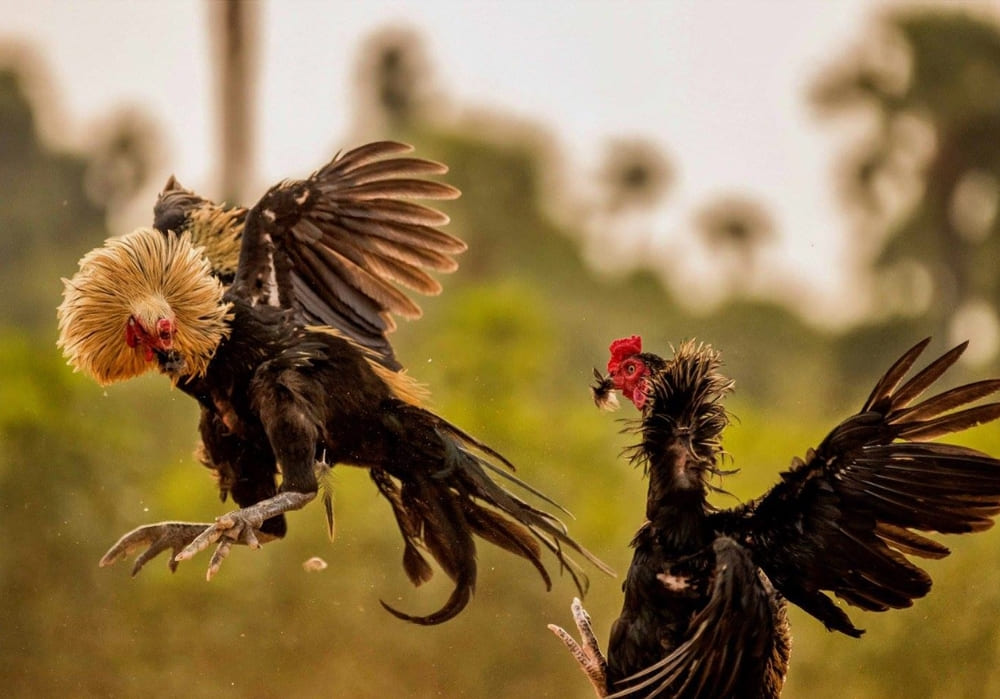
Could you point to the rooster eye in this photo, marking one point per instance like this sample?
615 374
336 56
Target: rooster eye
630 369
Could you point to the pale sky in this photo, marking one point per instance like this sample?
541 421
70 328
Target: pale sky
726 101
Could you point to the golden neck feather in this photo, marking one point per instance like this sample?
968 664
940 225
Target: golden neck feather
144 272
219 232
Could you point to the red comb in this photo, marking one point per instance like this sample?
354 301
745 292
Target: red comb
623 349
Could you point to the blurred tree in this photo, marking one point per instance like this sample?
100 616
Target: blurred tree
20 139
736 228
394 82
125 147
617 211
924 184
235 37
45 211
635 174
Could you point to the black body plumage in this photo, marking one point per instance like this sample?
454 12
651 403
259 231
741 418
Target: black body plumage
697 619
704 608
279 393
296 372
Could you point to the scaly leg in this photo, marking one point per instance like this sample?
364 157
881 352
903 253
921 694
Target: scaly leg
186 539
241 527
588 655
156 538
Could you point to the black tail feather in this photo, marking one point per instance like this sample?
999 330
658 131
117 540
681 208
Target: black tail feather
430 517
459 599
441 503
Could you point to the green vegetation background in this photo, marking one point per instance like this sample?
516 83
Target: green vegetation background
508 351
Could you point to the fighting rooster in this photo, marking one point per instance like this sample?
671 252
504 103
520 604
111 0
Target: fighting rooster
275 320
704 608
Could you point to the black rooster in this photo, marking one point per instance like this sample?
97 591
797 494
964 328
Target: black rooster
704 608
275 320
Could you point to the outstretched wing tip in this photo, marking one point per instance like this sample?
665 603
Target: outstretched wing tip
878 479
343 245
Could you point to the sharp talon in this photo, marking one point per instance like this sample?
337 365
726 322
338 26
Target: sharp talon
221 551
187 539
586 652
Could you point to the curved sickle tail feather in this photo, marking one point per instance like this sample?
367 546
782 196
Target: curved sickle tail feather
431 517
440 512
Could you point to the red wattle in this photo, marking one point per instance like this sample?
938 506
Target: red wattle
636 393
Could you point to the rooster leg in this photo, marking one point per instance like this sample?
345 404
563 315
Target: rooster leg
588 655
241 527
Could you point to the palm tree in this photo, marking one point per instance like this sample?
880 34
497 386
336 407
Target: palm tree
235 26
736 227
634 175
924 183
394 80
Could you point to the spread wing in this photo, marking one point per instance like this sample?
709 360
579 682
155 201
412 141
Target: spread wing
845 519
730 641
337 246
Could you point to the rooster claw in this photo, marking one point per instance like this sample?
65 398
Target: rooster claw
241 527
231 528
186 539
587 652
155 538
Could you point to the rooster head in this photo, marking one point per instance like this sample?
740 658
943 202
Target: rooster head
629 371
151 328
141 301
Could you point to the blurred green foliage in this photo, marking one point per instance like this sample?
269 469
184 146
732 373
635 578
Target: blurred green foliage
508 350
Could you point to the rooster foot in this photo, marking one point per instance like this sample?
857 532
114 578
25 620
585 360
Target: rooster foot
241 527
155 538
588 652
186 539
